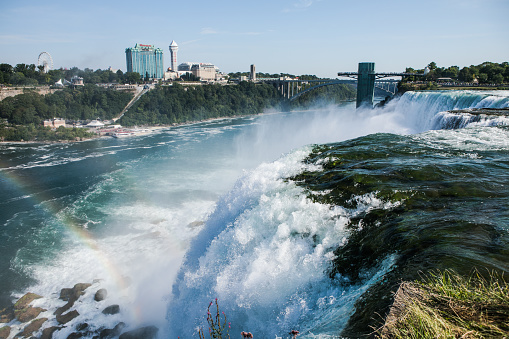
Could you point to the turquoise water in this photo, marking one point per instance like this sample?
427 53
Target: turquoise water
286 234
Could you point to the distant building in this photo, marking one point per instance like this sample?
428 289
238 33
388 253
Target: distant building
94 124
146 60
206 72
186 66
54 123
252 75
77 81
170 74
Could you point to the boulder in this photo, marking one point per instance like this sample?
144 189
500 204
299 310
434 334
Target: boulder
34 326
75 335
4 332
113 309
112 333
26 314
65 308
7 314
66 294
148 332
101 294
79 289
65 318
25 300
81 327
73 294
47 333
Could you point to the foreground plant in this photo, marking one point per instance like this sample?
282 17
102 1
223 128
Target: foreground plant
217 330
446 305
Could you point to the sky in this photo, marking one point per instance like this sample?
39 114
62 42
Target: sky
320 37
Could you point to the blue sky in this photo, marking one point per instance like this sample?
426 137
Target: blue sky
318 37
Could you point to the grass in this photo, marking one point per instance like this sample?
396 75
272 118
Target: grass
447 305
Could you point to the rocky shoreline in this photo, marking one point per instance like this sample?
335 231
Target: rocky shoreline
483 111
27 319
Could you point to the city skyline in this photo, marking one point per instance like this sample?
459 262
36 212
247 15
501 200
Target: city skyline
320 37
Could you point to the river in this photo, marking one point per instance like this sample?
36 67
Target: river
228 209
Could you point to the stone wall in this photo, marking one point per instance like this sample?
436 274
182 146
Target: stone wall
6 92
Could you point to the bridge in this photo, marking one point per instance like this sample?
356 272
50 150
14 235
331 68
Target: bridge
365 79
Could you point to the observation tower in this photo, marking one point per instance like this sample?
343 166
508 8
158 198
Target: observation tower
173 52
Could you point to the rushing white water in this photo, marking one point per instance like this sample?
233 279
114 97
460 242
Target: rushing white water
175 220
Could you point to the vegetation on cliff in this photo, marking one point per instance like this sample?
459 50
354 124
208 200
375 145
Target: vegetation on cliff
166 105
83 103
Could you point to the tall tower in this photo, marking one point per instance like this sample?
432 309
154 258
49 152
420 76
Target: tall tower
173 51
366 83
252 75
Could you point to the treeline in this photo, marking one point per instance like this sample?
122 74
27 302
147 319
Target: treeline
33 132
31 75
485 73
166 105
83 103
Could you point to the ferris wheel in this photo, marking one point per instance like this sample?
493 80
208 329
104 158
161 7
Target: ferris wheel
46 61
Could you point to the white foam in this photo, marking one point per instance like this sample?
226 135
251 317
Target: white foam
264 254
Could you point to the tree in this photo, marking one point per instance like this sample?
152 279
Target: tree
498 78
432 66
465 75
132 77
483 78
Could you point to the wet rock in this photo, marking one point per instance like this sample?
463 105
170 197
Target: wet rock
7 314
81 327
26 314
73 294
65 318
101 294
47 333
25 300
112 333
75 335
34 326
113 309
148 332
4 332
79 289
66 293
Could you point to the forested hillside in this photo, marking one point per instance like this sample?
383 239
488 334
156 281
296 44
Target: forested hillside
179 104
83 103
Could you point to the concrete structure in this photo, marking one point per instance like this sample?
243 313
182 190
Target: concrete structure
146 60
6 92
366 83
173 53
252 75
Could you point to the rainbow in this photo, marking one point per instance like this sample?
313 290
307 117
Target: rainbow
75 231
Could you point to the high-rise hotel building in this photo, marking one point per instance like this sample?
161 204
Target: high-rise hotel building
145 59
